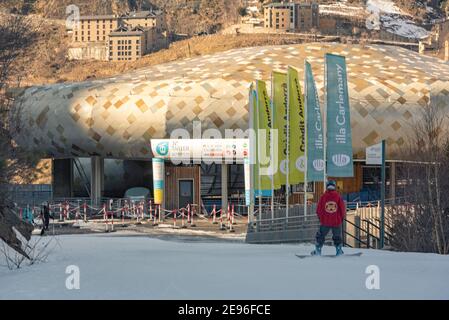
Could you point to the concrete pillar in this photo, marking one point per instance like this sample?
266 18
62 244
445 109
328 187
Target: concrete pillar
421 47
224 187
62 178
97 179
393 181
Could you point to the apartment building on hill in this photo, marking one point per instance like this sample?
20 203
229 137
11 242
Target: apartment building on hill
291 16
126 37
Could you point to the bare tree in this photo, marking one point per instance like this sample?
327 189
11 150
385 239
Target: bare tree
423 225
17 34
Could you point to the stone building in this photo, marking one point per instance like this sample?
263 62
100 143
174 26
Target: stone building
291 16
135 33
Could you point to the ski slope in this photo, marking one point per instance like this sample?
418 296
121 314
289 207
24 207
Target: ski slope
136 267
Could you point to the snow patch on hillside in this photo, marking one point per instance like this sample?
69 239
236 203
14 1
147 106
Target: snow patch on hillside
393 20
403 27
343 9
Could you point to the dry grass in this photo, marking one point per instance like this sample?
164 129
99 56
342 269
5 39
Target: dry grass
55 71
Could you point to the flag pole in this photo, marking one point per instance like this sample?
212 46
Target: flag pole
325 125
287 184
252 142
257 150
305 141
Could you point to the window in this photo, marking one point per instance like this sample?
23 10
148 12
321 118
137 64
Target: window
82 38
104 38
76 38
88 38
297 188
137 41
98 38
110 42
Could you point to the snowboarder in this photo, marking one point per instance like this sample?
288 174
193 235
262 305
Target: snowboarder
331 211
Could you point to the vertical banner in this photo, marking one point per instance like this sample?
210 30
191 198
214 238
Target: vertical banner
252 161
338 120
246 170
297 145
263 138
280 108
315 137
252 100
158 180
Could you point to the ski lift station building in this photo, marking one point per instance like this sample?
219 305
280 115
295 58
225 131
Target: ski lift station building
104 127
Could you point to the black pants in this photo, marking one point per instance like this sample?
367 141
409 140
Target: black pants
336 235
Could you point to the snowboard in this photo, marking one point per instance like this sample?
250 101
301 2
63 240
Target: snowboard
357 254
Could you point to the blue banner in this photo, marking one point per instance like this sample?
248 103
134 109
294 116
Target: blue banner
315 136
338 120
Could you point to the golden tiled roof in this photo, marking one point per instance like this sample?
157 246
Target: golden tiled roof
117 117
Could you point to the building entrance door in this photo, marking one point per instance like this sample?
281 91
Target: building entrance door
186 196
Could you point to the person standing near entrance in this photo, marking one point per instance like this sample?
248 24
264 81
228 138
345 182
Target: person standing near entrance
45 218
331 212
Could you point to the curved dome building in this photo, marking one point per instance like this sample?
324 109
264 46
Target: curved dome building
117 117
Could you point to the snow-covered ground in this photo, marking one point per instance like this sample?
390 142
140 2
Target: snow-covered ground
116 266
387 14
343 9
393 19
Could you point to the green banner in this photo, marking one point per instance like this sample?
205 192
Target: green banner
263 138
254 172
338 120
315 137
296 140
280 108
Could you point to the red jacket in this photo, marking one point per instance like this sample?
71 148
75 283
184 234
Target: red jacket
331 209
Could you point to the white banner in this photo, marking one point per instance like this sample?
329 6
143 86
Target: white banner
374 154
214 150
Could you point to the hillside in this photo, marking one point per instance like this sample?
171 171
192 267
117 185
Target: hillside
183 16
422 10
48 64
57 8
